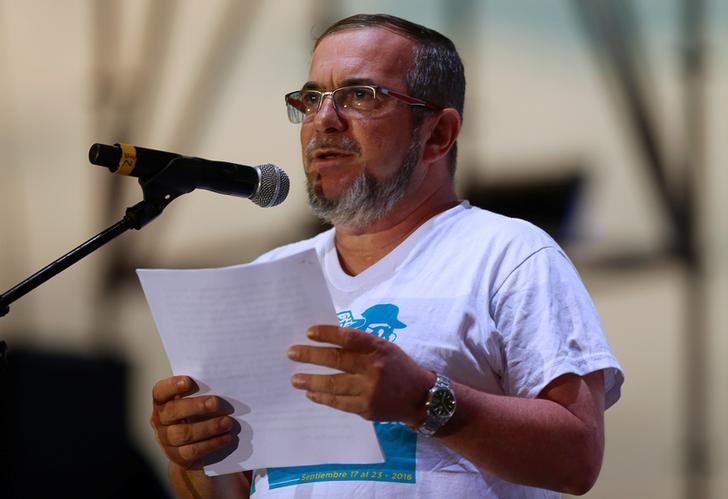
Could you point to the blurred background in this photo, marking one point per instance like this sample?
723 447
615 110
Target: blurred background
601 121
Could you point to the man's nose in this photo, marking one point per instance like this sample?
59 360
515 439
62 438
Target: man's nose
327 117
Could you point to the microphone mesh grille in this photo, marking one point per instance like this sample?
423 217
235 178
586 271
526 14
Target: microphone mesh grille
272 188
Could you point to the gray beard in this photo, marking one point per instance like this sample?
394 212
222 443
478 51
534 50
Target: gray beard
368 199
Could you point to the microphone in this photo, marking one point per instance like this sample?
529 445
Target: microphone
265 185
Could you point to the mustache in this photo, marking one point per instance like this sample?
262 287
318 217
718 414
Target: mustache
342 143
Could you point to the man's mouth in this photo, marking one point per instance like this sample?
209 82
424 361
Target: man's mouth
324 154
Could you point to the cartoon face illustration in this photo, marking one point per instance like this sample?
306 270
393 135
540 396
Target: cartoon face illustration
384 331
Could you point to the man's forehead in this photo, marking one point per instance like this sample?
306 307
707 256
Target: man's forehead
359 51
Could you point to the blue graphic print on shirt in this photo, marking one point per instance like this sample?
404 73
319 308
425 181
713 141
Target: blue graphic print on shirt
398 442
379 320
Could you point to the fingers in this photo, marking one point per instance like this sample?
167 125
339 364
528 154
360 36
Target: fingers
192 456
195 408
377 380
347 338
341 391
335 384
336 358
178 435
347 403
175 386
350 357
189 429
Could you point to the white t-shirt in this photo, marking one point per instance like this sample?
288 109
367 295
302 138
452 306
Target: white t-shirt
489 301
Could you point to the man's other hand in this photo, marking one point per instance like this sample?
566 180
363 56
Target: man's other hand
378 380
188 429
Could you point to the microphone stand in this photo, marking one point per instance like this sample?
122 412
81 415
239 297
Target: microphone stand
159 190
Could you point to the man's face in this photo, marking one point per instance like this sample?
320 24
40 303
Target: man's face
351 160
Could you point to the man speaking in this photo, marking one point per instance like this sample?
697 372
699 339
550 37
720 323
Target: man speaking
465 336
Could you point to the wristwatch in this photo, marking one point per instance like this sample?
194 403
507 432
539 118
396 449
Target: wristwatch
440 406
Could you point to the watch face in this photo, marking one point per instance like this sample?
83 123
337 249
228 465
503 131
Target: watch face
443 403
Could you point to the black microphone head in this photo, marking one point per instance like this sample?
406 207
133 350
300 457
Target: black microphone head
272 186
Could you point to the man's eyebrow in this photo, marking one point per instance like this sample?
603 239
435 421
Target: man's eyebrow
312 85
358 81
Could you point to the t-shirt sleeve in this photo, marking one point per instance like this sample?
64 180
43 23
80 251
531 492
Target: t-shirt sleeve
548 326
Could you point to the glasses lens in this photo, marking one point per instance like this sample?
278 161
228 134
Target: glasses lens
355 98
295 107
302 104
311 100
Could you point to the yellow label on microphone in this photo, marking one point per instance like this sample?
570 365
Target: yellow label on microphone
128 159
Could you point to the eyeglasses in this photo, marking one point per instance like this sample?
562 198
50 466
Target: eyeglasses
352 101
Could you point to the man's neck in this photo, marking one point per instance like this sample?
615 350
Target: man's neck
360 249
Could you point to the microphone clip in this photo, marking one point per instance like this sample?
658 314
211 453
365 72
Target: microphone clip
159 190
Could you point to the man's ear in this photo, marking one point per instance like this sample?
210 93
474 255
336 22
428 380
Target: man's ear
442 133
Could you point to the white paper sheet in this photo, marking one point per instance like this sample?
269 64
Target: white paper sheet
229 329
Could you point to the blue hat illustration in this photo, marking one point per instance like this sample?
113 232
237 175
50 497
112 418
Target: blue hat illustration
384 314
